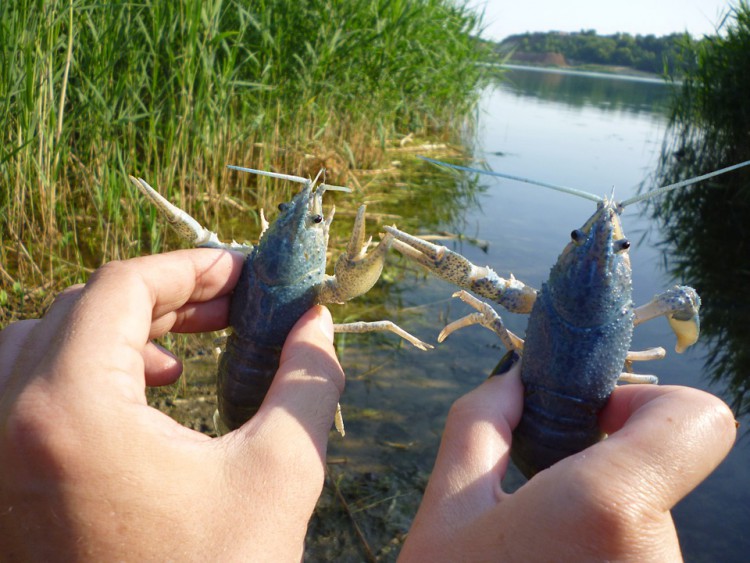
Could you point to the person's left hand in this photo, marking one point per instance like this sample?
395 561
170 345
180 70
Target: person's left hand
89 470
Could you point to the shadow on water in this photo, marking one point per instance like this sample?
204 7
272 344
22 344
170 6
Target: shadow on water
706 230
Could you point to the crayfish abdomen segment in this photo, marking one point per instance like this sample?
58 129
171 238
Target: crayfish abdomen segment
545 435
246 371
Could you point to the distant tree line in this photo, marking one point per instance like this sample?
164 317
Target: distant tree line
647 53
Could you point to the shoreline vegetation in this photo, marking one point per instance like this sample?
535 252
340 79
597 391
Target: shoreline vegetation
174 91
620 53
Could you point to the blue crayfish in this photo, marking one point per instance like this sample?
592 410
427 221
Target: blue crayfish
580 324
283 276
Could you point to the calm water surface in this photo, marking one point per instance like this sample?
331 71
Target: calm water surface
593 133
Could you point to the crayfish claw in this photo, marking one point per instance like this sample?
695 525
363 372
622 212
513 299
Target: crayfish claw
487 317
338 421
356 271
450 266
681 305
186 226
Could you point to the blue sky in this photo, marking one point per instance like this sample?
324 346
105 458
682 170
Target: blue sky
643 17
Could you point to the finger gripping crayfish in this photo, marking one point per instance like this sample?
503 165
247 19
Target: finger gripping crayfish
580 325
283 276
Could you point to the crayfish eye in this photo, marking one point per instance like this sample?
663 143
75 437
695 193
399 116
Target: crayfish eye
283 207
623 244
577 235
317 218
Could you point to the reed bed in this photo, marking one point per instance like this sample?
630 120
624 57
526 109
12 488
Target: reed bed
175 90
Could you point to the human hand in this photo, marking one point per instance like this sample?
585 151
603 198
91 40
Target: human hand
89 470
609 502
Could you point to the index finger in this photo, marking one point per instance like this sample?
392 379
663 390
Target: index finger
123 301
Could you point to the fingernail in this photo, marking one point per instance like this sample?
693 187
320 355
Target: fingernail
506 363
164 351
325 322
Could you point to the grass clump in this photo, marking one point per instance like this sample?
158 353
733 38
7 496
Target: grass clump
174 91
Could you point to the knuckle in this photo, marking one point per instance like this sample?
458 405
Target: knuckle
607 510
120 270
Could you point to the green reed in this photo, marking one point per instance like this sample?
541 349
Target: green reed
711 113
175 90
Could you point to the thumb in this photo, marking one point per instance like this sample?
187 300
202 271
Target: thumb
667 436
301 402
277 458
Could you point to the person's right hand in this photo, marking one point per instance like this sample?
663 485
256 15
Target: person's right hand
610 502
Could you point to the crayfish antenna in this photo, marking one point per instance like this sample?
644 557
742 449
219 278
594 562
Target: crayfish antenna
683 184
291 178
298 179
556 187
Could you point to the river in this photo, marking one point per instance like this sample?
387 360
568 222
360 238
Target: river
595 133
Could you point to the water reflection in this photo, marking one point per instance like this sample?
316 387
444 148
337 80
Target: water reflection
707 241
